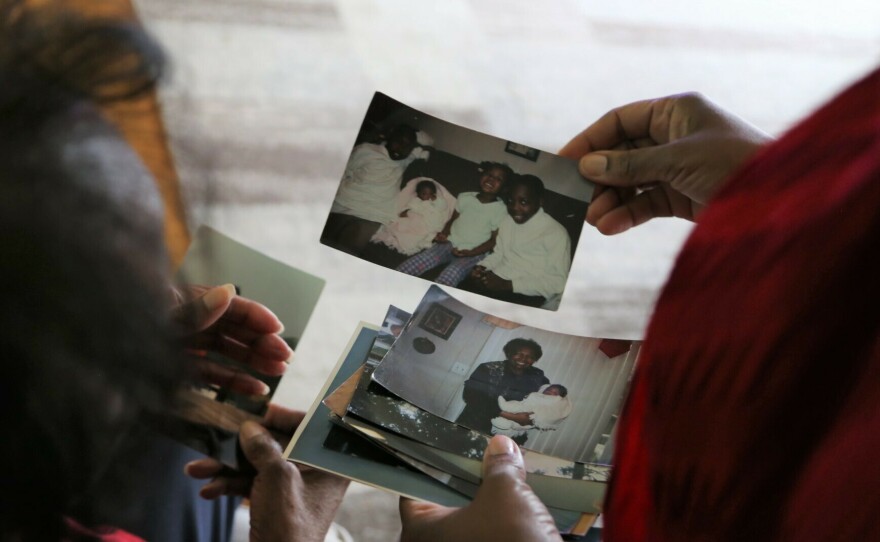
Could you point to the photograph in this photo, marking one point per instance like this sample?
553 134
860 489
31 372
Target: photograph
392 325
581 496
373 404
552 393
307 445
208 415
457 207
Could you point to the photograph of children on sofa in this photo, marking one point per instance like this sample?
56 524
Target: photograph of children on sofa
552 393
457 207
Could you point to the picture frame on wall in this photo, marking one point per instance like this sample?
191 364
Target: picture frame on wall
522 150
440 321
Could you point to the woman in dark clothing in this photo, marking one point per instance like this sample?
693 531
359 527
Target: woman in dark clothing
512 379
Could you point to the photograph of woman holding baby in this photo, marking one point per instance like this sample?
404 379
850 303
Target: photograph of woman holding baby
512 380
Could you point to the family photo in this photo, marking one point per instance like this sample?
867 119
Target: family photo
362 402
463 209
552 393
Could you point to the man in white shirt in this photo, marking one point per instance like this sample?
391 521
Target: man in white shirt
532 254
368 190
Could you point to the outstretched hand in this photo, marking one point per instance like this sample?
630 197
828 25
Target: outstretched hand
663 157
216 319
287 503
505 508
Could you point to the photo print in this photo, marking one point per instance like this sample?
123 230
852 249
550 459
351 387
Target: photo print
208 415
460 208
393 324
552 393
307 448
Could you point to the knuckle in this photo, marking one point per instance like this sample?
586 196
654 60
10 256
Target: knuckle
692 98
622 165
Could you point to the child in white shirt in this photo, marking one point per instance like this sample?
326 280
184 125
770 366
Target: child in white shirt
469 234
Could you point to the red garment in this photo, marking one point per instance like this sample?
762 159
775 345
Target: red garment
76 532
755 410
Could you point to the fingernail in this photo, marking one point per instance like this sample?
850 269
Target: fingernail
593 165
500 445
282 349
188 466
218 296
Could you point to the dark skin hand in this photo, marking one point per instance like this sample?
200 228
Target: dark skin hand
443 235
491 281
662 157
288 503
479 249
505 508
217 320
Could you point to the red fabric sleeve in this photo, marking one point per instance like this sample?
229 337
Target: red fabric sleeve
759 373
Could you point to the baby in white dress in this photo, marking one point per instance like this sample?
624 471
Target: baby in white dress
422 217
549 407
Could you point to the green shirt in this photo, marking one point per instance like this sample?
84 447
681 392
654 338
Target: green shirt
476 221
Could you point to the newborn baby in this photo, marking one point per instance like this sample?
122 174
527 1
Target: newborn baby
423 216
549 407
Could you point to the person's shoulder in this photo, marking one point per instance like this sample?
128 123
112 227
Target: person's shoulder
370 148
547 222
485 366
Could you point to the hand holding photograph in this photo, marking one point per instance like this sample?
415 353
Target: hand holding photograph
552 393
208 415
416 420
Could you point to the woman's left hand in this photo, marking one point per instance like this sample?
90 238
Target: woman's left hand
216 319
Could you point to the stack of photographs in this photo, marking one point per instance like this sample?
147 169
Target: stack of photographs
412 405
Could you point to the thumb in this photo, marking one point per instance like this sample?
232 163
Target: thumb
628 168
205 310
504 487
503 461
259 447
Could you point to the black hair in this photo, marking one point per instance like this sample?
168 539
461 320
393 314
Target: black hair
52 57
84 327
428 184
515 344
402 131
563 391
532 182
486 166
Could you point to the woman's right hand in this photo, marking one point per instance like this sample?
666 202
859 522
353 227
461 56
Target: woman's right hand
663 157
505 507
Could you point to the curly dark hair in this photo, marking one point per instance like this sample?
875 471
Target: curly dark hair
402 131
84 328
563 391
486 166
426 184
532 182
515 344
